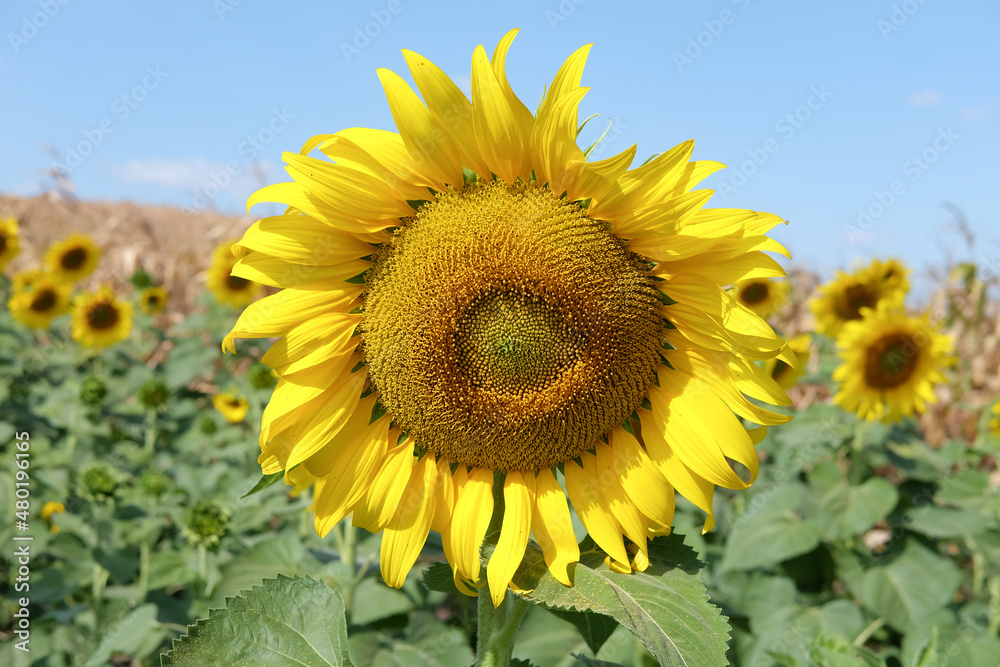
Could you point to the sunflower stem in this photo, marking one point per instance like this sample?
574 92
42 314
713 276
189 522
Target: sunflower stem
497 630
151 431
857 447
348 554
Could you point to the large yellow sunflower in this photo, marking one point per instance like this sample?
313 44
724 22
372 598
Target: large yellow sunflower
73 258
890 363
842 299
470 300
786 375
100 319
764 296
10 242
226 287
153 300
39 301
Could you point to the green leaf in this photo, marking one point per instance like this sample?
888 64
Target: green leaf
426 642
592 662
373 601
284 621
124 636
264 482
666 606
909 587
943 522
855 509
546 639
439 577
594 628
838 652
771 531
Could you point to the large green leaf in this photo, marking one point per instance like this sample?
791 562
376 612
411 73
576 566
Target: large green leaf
910 586
666 606
771 529
943 522
285 621
854 509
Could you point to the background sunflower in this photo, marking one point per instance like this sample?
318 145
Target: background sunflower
225 287
101 319
764 296
842 299
10 244
38 299
73 258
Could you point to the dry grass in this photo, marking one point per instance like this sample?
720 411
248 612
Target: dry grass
172 245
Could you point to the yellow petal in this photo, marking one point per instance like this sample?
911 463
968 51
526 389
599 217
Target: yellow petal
261 268
433 151
633 523
473 511
407 531
513 535
303 240
446 497
450 108
277 314
644 484
380 503
696 489
378 153
552 524
312 342
497 131
350 464
592 508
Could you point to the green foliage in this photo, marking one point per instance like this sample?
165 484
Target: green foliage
284 622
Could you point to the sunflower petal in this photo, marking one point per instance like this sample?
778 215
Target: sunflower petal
552 524
407 531
513 535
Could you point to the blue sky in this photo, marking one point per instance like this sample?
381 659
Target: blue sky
854 120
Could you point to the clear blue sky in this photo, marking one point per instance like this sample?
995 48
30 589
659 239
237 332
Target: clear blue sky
846 101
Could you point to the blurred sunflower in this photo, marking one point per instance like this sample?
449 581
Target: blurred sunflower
890 364
785 374
228 288
995 419
233 408
763 296
153 300
49 510
100 319
471 297
25 279
73 258
842 299
38 302
10 242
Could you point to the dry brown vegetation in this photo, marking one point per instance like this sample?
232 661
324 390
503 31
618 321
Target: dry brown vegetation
172 245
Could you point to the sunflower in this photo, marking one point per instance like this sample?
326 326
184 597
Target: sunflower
232 407
73 258
10 243
469 302
49 510
100 319
785 374
25 279
890 363
842 299
228 288
153 300
994 425
37 302
763 296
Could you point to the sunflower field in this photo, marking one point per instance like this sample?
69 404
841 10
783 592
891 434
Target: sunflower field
474 398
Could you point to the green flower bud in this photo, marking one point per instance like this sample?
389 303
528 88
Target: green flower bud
261 376
99 481
153 393
154 483
207 425
140 279
207 522
93 391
